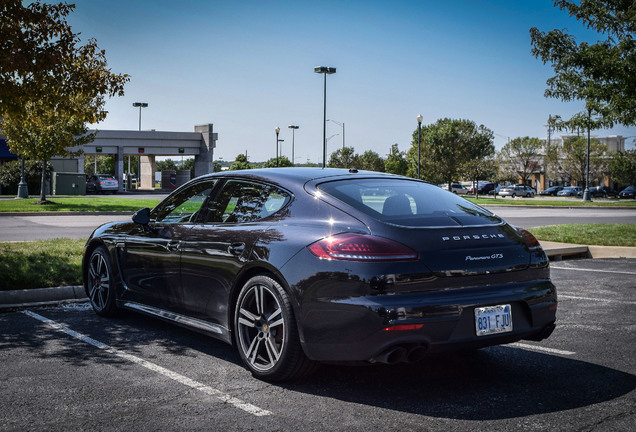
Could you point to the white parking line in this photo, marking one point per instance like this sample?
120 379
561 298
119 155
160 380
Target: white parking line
249 408
573 297
593 270
541 349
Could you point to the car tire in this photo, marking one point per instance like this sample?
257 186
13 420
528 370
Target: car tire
266 333
100 287
514 195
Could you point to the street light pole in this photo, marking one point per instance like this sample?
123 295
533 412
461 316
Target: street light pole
23 189
419 144
343 130
277 130
586 192
139 105
324 70
293 128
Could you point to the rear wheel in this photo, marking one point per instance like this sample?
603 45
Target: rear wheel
101 290
266 332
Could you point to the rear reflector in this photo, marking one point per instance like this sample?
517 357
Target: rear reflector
360 247
402 327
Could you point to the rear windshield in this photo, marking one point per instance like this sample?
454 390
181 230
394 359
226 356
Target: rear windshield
408 203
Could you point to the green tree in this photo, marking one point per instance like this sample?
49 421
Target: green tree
447 147
11 173
480 169
344 158
283 161
521 156
371 161
573 159
552 162
105 164
51 86
166 165
240 163
216 166
601 74
623 167
395 162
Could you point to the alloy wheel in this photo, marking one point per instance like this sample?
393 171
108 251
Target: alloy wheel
261 327
99 283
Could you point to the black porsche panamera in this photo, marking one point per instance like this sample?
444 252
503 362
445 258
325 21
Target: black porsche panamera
297 266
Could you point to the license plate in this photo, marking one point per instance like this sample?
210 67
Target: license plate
493 319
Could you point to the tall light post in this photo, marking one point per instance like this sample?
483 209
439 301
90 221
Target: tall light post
419 143
343 130
293 128
277 130
23 189
586 192
139 105
325 70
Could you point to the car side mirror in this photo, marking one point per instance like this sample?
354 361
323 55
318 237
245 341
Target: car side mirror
142 217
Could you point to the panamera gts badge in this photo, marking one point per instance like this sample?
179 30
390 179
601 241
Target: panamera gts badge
484 257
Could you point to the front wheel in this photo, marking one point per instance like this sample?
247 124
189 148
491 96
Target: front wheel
266 332
100 286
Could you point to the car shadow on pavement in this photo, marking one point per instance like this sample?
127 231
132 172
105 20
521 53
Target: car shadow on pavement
493 383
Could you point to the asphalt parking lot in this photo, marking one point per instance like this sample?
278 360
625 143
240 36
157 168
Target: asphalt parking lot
64 368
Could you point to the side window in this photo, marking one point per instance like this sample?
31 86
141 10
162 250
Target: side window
184 206
242 201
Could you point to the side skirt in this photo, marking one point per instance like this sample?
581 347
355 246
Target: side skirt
214 330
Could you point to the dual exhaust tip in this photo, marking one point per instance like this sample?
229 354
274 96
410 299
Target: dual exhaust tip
401 354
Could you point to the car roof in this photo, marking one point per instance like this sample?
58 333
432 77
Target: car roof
302 175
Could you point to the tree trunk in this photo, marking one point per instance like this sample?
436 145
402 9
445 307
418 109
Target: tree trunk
43 184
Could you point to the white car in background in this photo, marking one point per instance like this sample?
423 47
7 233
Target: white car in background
517 190
456 188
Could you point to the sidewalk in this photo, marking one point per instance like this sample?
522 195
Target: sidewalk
50 296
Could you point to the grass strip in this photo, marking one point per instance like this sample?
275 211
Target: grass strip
87 204
548 202
41 264
589 234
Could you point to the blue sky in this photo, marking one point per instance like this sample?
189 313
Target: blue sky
247 67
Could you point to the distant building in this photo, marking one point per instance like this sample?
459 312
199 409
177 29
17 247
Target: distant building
144 144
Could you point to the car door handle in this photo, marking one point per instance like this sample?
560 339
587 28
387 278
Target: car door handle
173 246
236 248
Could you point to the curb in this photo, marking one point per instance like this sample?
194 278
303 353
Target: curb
557 251
51 296
41 296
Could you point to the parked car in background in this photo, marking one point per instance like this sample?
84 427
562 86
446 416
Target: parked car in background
571 191
482 188
456 188
602 192
496 190
628 193
101 183
297 266
517 190
551 191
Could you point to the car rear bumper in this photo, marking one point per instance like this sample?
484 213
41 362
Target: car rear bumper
354 329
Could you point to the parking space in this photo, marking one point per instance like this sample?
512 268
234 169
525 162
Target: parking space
64 368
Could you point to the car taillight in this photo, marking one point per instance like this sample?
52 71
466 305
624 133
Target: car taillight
530 241
101 182
360 247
